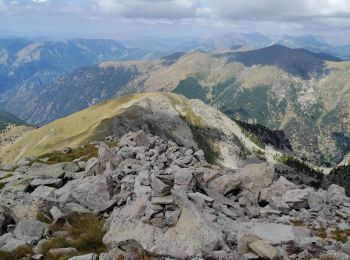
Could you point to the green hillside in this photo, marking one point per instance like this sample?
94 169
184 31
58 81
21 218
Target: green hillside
7 118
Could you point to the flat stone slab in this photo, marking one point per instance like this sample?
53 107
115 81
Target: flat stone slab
163 200
56 183
271 232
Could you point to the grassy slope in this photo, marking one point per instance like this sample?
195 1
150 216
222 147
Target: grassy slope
73 130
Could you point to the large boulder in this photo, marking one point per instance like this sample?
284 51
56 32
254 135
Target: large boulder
262 175
90 192
226 183
30 230
43 171
277 188
297 198
336 195
192 235
317 198
22 205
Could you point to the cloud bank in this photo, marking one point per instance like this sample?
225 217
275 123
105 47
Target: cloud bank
302 15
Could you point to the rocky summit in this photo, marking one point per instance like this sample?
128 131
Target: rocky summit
147 197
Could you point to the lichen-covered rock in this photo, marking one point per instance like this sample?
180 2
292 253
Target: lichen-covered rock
30 231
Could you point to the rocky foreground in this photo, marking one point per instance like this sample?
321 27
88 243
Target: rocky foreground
147 198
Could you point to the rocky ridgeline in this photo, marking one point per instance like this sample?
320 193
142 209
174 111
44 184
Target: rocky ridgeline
160 200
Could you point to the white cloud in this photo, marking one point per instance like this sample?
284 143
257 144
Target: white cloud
194 16
3 6
279 10
40 1
154 9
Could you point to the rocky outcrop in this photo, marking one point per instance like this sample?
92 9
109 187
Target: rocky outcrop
163 200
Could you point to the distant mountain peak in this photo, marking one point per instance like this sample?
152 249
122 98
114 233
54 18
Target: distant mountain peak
297 62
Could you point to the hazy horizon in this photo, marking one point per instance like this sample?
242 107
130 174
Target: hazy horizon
116 19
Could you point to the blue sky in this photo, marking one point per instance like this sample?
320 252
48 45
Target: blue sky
164 18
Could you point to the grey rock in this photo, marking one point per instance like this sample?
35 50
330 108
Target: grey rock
164 200
82 165
8 243
56 213
20 185
262 175
141 190
225 183
191 235
54 171
159 186
184 161
335 255
68 208
183 179
277 188
250 256
90 192
22 169
84 257
91 166
70 167
297 198
10 179
343 212
200 199
263 249
200 156
317 198
43 192
56 183
336 195
344 226
105 256
22 162
23 205
278 203
66 150
5 174
243 241
271 232
30 230
63 251
145 178
38 257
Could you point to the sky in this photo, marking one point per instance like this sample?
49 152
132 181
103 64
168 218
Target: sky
167 18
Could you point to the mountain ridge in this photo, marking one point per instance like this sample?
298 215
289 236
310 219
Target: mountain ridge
183 120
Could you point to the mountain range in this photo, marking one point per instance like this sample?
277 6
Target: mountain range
303 93
27 64
212 154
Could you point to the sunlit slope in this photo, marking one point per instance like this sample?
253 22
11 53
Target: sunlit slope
73 130
187 122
